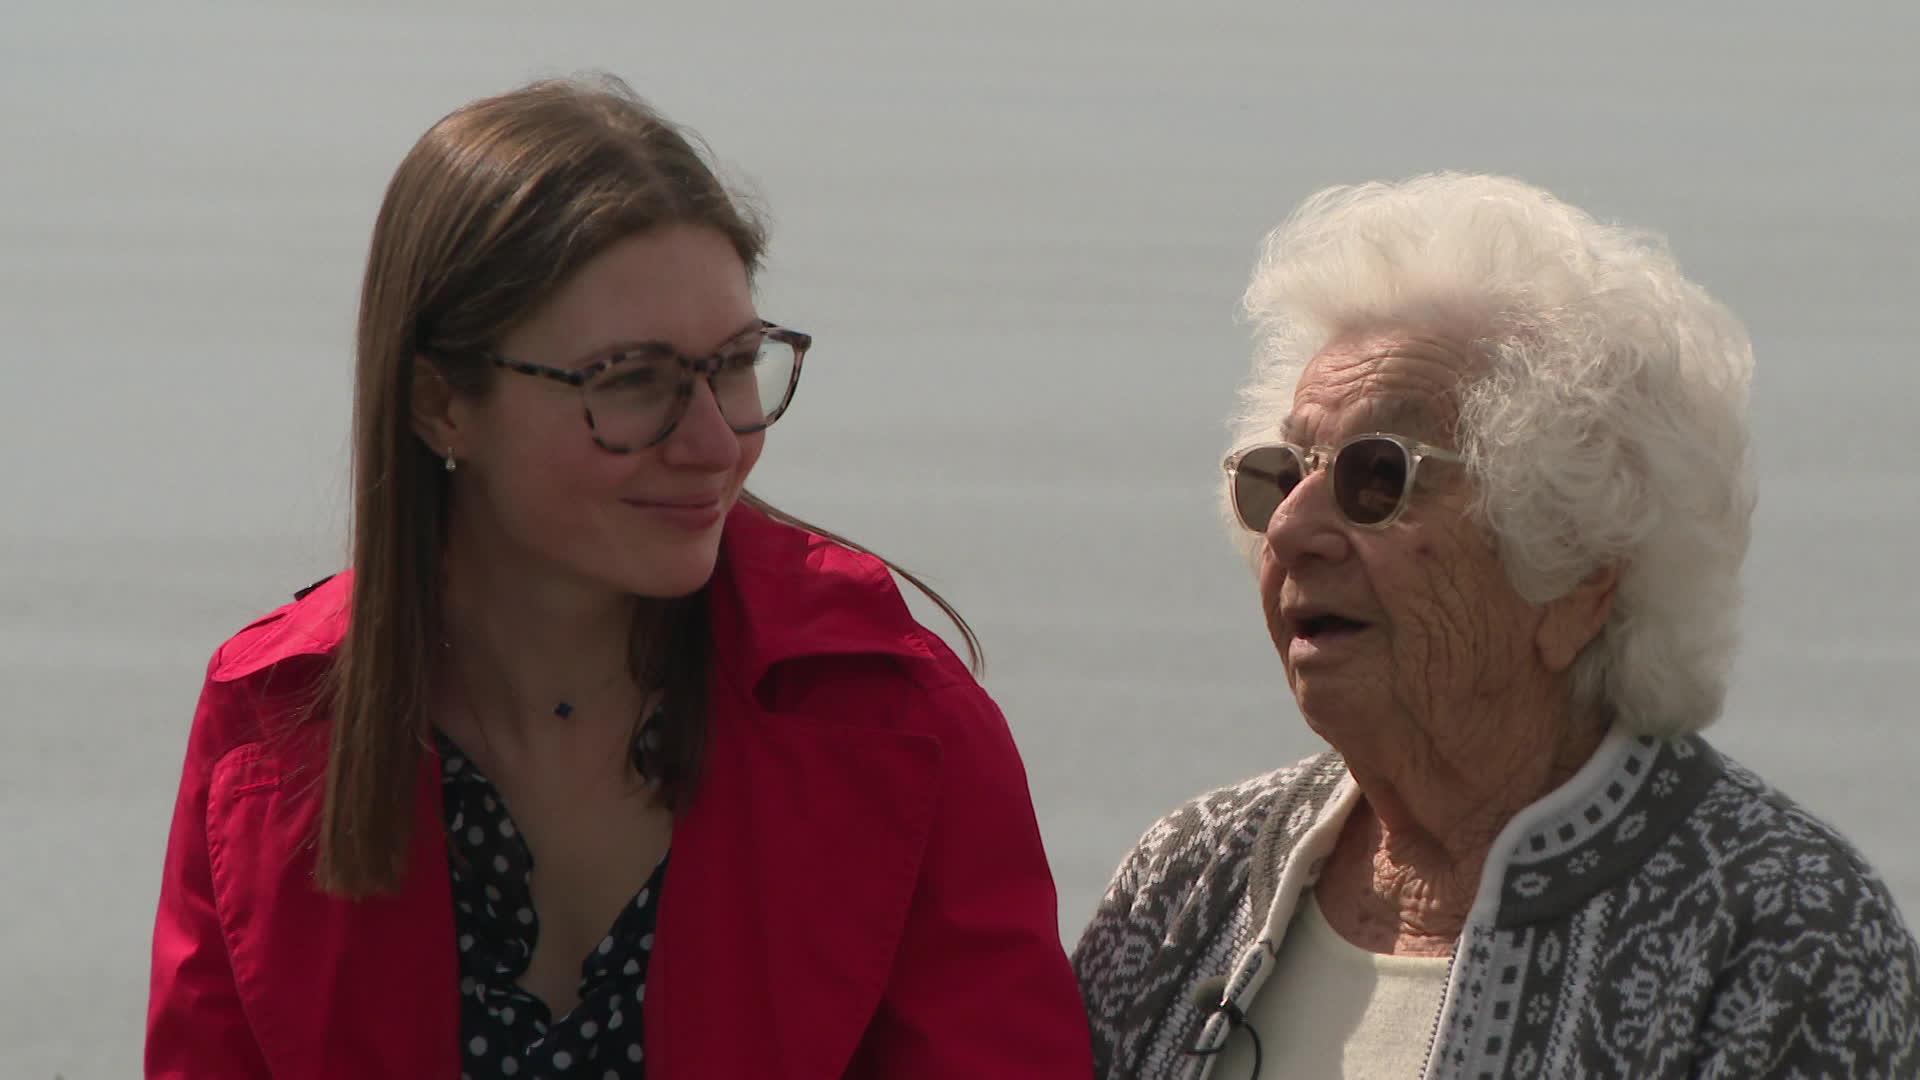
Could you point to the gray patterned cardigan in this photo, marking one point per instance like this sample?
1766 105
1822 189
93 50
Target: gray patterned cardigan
1662 914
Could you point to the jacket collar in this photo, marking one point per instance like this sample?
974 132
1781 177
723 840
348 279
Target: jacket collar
1597 828
1600 826
782 593
779 593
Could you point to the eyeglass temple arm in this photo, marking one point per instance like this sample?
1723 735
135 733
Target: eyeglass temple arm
571 378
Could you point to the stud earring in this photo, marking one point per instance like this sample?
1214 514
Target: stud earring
451 464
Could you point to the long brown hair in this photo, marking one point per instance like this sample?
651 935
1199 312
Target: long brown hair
491 212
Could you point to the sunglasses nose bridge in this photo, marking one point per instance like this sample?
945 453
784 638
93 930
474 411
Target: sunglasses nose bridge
1315 459
1316 473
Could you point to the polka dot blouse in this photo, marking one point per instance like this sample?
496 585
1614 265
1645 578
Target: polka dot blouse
505 1031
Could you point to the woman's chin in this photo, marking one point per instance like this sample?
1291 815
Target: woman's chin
1335 707
670 579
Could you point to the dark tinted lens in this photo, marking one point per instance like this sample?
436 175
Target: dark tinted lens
1261 481
1369 480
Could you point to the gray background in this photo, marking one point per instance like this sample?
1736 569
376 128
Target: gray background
1018 233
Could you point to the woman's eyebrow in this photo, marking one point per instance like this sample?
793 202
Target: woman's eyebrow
656 345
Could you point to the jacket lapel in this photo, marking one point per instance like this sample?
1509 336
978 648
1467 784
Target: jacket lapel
331 987
793 871
795 863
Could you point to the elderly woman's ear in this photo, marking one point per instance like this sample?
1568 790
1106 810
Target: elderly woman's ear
1569 622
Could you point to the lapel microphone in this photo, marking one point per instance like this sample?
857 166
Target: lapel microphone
1210 994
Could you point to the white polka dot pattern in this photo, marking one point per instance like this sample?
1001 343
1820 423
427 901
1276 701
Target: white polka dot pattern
506 1031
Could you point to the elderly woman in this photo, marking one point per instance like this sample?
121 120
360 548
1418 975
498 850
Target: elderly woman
1493 467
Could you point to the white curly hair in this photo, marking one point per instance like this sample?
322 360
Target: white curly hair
1607 427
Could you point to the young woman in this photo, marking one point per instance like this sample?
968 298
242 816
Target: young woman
593 764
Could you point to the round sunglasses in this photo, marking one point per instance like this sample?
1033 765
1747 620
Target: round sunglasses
1372 477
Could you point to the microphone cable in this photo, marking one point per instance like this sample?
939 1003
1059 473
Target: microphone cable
1211 995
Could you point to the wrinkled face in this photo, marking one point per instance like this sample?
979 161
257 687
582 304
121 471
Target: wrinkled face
1414 624
536 492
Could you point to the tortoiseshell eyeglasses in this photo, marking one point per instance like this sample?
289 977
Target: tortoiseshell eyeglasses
635 395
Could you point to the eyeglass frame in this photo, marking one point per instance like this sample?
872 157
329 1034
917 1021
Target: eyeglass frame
1320 457
691 367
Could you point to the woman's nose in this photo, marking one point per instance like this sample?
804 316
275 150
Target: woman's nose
702 438
1306 524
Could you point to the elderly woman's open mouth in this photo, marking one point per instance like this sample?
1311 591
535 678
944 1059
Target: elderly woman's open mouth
1321 627
1312 629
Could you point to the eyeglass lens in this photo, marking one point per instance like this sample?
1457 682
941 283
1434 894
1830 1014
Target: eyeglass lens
634 400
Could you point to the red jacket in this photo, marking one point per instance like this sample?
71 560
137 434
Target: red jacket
858 886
